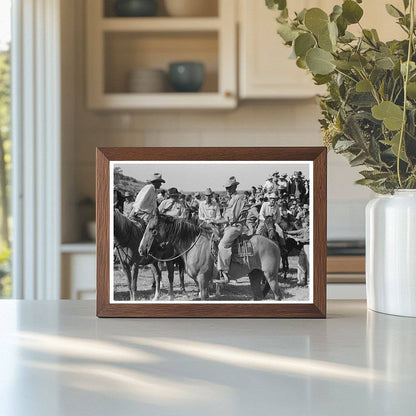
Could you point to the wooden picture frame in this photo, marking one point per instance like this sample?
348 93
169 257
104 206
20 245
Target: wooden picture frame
315 308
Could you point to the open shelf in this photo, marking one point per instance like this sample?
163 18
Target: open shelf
211 9
127 51
160 24
116 46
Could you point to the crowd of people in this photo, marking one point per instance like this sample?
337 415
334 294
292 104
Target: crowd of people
282 203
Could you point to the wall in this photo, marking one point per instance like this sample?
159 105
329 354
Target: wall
265 123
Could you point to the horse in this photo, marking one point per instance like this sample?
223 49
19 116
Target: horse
194 242
286 245
128 235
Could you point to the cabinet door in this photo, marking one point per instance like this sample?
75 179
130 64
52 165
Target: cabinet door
265 68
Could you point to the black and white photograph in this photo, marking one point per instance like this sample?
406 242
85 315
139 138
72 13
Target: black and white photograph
185 231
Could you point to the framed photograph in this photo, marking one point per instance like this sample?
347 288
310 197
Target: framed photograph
211 232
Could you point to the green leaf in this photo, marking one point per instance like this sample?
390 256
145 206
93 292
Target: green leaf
276 4
324 42
336 12
301 63
375 35
316 20
347 37
363 86
286 32
394 145
374 175
351 11
321 79
393 11
411 90
364 181
358 61
300 17
343 65
319 61
343 145
342 25
391 114
303 43
385 63
358 160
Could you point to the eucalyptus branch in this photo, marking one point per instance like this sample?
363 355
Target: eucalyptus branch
406 80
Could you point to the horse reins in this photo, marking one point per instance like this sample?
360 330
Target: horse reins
179 255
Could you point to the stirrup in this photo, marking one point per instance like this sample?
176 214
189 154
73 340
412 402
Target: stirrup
224 278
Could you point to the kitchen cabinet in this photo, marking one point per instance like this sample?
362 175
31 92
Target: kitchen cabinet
265 70
116 46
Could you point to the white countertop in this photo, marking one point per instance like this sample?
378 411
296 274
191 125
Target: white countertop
56 358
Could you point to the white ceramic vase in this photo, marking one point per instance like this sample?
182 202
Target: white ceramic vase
391 253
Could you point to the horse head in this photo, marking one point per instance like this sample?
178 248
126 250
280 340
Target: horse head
150 236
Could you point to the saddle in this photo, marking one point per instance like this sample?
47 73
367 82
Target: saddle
242 248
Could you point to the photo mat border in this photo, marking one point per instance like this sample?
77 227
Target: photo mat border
248 309
307 163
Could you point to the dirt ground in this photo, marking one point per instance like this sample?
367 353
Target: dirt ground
239 290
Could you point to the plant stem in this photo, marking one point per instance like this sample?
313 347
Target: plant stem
406 80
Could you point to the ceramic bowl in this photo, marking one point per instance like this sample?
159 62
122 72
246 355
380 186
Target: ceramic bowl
136 8
186 76
147 80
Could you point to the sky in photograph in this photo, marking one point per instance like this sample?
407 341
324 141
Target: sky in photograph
5 21
198 177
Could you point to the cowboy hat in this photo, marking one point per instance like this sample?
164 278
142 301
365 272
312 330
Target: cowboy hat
208 192
157 177
173 192
231 182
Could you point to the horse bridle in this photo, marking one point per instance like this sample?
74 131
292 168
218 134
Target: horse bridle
179 255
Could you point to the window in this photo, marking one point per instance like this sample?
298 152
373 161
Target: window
5 147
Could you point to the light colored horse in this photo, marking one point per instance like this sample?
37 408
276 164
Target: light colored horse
194 243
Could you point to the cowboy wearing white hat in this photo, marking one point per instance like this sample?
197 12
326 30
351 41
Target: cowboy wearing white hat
172 206
271 209
209 211
145 205
233 220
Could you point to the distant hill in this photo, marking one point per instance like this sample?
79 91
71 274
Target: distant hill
126 183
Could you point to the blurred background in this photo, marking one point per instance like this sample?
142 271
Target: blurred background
145 73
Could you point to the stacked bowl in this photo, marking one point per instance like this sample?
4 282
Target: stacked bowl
147 80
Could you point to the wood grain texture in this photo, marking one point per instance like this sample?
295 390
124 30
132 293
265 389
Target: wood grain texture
346 264
317 309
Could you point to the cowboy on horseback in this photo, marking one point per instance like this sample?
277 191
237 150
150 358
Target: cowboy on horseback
232 219
172 206
145 205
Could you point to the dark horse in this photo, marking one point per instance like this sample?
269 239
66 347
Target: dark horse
286 245
194 243
128 235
